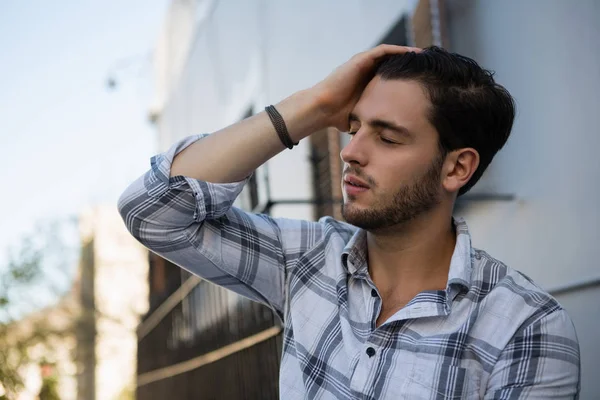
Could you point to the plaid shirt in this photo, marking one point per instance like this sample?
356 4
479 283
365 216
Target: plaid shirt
491 334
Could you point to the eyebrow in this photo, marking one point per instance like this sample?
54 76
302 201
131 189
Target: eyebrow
382 124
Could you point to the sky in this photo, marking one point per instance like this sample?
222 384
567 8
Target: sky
67 141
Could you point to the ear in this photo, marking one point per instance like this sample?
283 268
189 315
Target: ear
458 168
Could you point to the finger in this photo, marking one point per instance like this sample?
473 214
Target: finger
388 49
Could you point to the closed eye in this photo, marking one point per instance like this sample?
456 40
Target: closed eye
384 140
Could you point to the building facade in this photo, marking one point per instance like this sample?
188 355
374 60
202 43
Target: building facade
219 61
112 294
87 342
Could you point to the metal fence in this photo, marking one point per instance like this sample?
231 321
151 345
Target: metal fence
205 342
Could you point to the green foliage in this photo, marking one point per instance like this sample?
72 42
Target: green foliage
24 290
49 390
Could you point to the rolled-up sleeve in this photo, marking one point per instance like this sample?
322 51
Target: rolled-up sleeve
194 225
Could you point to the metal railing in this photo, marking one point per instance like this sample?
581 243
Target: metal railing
206 342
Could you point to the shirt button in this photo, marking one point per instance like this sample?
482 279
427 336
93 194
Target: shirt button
370 352
373 292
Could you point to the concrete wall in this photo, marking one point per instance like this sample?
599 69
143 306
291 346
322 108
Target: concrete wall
547 54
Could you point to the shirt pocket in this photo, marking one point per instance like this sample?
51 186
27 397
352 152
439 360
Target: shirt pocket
431 381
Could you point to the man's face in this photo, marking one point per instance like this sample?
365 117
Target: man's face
392 163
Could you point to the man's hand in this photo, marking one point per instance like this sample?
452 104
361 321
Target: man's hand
339 92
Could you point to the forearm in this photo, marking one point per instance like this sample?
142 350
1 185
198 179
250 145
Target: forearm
232 153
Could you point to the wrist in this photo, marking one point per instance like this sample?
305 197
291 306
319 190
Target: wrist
303 114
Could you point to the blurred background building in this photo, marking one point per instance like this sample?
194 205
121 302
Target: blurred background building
218 61
87 342
113 294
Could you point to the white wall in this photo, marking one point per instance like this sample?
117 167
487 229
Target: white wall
547 54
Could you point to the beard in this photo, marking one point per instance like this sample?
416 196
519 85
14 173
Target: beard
404 205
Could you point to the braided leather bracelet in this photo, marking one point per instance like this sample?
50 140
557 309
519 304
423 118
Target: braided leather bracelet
280 127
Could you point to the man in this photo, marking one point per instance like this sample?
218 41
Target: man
395 303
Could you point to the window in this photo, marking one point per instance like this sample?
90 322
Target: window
398 34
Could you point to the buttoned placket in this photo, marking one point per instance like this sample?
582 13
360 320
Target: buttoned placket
362 378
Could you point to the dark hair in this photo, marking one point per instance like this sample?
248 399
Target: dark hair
469 109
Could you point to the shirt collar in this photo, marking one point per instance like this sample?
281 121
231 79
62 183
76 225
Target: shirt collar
461 265
354 256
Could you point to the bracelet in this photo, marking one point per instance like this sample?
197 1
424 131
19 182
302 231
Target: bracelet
280 127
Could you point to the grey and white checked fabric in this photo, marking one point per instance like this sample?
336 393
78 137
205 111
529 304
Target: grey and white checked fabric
491 334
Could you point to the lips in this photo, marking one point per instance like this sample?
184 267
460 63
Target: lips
354 186
355 182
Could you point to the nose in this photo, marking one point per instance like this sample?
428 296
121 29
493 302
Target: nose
355 152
